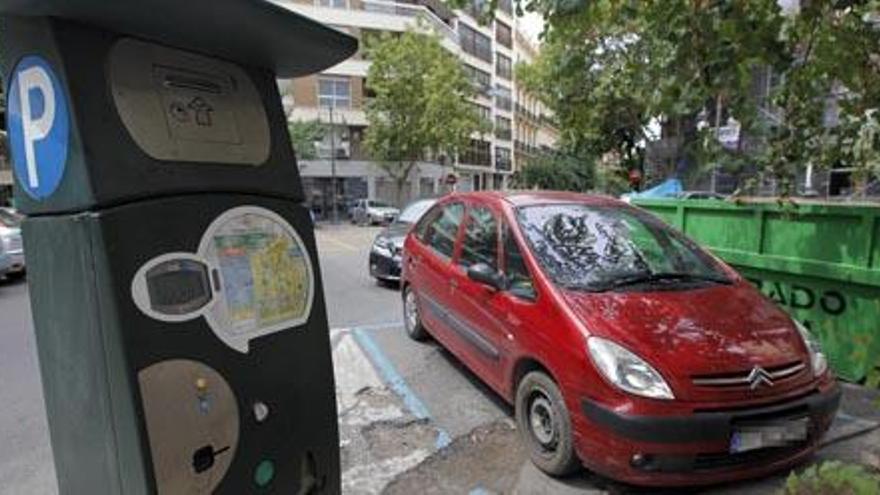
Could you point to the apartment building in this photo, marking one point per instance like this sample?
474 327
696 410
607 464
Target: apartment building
336 97
534 128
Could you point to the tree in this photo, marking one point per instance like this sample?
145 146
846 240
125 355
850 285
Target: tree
420 105
608 69
303 135
557 170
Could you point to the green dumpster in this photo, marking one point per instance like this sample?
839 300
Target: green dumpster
819 261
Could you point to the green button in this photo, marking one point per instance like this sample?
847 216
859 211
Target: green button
264 473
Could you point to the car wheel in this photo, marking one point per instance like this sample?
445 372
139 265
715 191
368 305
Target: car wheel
412 320
544 424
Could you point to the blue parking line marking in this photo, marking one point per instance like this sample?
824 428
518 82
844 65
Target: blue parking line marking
478 491
381 326
397 383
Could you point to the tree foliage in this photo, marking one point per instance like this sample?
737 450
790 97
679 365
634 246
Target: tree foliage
557 170
833 477
303 136
420 105
609 68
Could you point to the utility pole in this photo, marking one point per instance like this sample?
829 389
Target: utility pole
333 167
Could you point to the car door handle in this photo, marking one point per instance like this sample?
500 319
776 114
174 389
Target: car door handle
453 283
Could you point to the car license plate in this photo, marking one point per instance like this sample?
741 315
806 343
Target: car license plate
755 437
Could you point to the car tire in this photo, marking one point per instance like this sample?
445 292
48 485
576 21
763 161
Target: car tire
412 319
545 425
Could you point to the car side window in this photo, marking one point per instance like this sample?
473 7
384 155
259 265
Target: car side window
480 243
440 233
421 228
519 280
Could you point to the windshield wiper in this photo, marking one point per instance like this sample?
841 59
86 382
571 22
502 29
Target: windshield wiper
647 278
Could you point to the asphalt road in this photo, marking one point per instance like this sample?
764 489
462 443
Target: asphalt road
412 419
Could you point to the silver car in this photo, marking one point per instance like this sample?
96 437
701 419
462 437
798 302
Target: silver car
5 262
370 211
10 240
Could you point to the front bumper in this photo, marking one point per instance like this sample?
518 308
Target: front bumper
5 264
385 266
16 262
695 448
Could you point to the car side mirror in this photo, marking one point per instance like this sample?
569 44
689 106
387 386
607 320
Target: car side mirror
486 275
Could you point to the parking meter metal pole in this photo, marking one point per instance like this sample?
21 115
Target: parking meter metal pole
175 289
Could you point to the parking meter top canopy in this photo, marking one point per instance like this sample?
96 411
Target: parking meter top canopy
117 101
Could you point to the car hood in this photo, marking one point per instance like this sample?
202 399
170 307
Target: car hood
396 233
706 331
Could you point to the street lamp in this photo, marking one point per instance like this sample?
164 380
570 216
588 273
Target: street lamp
333 167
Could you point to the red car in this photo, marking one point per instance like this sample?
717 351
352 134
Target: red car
623 346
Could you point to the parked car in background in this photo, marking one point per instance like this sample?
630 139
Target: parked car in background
372 212
5 262
622 345
10 238
387 248
700 195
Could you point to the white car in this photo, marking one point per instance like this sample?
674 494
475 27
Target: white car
370 211
5 262
10 240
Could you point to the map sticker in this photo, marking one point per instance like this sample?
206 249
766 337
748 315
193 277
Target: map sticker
264 272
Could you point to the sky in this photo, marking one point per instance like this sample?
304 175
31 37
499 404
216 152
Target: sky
531 24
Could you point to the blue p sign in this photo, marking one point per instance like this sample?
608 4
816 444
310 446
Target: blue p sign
38 127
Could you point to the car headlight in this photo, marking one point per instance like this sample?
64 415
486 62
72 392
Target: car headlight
626 370
382 244
817 358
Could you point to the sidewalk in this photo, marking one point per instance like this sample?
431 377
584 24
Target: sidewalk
390 444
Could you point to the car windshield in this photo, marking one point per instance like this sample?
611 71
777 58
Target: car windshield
413 212
601 248
378 204
10 219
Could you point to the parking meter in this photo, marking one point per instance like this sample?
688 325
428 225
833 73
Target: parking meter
175 287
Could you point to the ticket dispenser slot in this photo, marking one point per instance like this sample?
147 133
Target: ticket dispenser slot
182 106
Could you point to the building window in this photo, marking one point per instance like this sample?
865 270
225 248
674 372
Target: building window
502 158
481 79
505 6
477 8
474 43
336 4
484 113
503 67
335 141
503 34
334 92
502 98
478 153
502 128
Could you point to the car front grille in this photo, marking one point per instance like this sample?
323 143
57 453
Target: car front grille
749 378
14 244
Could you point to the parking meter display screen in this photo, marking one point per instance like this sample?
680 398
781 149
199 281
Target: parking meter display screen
178 287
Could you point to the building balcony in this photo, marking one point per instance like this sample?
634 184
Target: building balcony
504 134
378 14
525 148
